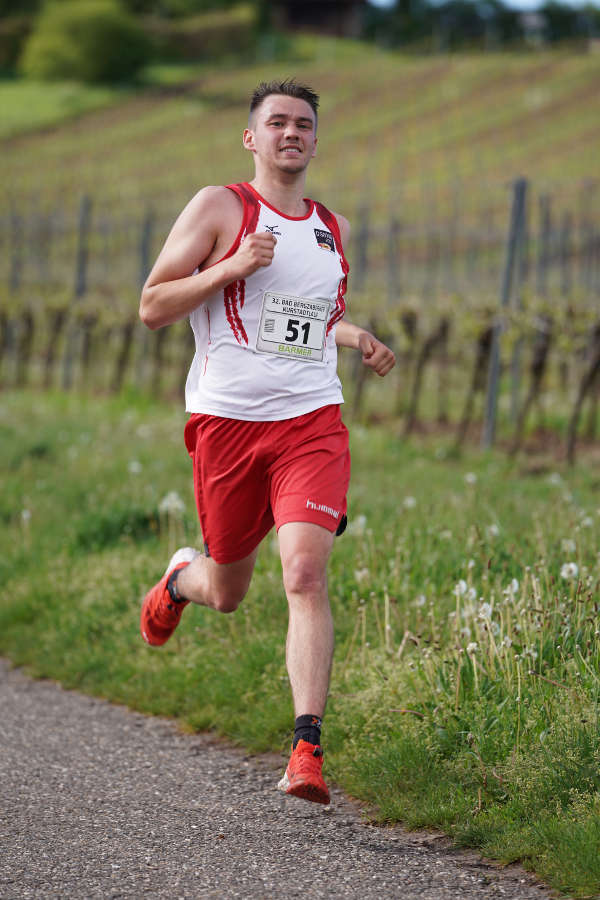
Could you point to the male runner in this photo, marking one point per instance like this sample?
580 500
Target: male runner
261 273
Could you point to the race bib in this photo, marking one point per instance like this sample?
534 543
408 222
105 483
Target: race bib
293 327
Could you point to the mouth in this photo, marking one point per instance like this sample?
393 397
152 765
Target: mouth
291 148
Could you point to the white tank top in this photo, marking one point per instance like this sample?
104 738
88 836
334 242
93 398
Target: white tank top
229 375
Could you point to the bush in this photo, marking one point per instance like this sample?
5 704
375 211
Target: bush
210 36
96 41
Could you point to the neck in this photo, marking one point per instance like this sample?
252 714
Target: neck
285 194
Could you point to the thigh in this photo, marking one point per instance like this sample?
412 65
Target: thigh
309 480
231 485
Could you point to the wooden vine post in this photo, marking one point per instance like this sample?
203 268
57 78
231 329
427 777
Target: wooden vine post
515 235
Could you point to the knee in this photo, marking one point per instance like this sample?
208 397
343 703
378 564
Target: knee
226 601
303 574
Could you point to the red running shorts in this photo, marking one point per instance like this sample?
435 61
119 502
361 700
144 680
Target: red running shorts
251 475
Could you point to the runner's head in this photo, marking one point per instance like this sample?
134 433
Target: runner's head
287 88
282 128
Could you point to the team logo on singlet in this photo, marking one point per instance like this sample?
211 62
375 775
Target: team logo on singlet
325 240
272 229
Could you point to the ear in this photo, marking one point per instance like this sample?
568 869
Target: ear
248 140
314 150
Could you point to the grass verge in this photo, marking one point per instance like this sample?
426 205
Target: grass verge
465 684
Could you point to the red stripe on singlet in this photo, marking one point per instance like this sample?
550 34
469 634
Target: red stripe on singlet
235 293
331 222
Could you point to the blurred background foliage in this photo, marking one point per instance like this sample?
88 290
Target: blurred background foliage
111 40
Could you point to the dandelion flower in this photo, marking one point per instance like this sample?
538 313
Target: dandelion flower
569 570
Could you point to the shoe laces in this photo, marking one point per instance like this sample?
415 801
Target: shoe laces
307 760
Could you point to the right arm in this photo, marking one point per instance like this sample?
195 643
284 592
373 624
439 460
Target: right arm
171 291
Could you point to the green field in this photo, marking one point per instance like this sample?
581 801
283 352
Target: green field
467 667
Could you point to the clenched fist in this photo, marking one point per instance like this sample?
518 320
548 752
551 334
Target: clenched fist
255 251
375 354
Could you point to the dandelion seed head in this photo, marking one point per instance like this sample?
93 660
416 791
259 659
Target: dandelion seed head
493 530
568 545
569 571
409 503
471 594
172 504
471 478
134 467
362 576
357 526
472 647
485 611
420 601
446 535
460 588
587 522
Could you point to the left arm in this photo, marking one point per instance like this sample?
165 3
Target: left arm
375 354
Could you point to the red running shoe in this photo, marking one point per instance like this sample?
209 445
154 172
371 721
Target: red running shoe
303 776
160 616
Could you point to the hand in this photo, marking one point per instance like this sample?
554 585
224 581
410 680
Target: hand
256 250
375 354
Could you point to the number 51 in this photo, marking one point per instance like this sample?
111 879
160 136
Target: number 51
292 331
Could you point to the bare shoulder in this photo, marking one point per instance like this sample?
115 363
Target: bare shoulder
344 226
213 203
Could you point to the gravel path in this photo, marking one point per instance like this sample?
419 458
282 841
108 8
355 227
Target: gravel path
99 801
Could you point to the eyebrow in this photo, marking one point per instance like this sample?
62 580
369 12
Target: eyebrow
285 116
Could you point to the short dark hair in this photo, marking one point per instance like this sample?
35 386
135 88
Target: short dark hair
289 88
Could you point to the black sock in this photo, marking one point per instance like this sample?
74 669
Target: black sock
172 587
307 728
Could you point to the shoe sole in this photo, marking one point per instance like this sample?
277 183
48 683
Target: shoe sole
304 791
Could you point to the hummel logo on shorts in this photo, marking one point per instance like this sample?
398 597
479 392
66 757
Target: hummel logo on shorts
320 507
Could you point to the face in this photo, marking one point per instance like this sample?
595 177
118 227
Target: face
281 133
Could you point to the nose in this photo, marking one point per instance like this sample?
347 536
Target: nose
291 130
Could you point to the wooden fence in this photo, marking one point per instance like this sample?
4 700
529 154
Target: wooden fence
444 293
